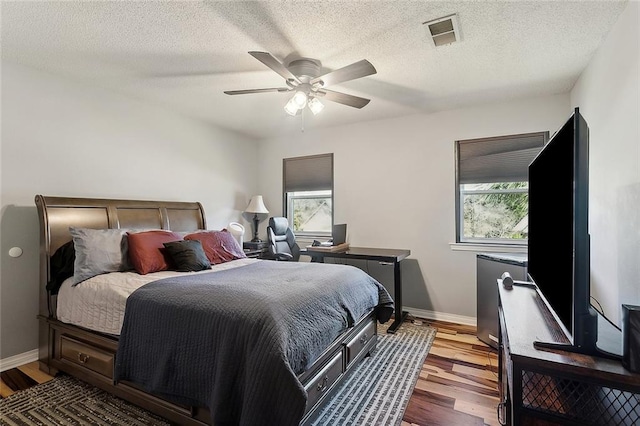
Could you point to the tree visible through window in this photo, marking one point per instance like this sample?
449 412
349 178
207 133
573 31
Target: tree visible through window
495 210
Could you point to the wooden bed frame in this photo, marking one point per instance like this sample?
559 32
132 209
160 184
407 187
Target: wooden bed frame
90 355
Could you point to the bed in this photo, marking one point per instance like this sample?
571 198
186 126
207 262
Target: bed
103 352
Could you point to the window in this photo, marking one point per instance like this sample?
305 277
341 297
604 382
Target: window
308 194
492 188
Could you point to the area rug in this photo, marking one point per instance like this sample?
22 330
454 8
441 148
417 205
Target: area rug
68 401
376 394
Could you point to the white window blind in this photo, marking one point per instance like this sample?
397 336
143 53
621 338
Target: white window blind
310 173
498 159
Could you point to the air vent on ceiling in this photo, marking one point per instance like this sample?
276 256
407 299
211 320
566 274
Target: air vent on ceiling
444 30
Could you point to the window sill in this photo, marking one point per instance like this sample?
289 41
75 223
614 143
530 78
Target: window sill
488 248
316 235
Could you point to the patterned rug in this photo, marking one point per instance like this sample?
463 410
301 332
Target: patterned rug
68 401
376 394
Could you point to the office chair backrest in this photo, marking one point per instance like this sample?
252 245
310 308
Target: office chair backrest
282 242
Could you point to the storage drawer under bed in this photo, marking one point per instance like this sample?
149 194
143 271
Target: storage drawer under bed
322 382
84 355
361 341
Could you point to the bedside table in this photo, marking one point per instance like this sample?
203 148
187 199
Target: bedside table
256 250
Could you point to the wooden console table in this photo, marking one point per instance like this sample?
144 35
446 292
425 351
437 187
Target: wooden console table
556 387
390 256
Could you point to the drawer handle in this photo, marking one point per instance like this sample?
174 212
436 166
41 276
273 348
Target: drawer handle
323 386
363 340
83 358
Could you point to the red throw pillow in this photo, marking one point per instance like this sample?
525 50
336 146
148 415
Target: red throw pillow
146 250
219 246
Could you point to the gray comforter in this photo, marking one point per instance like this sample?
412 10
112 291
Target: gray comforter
236 340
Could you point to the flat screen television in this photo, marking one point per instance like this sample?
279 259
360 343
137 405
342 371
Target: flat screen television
558 254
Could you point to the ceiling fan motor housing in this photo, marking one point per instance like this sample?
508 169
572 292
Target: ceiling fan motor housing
305 69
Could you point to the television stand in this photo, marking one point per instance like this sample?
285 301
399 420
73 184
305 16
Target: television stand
561 388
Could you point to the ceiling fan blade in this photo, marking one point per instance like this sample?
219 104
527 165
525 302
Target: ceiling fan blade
358 69
247 91
269 60
343 98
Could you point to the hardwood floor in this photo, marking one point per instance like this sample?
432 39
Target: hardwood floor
458 384
22 377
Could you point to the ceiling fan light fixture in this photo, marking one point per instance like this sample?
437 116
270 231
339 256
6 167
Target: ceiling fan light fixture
291 107
300 99
315 106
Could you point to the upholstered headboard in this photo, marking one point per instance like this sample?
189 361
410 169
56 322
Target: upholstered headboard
57 214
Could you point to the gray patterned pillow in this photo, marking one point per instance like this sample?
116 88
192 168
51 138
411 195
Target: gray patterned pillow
98 251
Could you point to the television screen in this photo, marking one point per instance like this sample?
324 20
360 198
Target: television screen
551 223
558 260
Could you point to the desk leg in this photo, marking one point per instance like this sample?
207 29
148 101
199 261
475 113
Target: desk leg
397 289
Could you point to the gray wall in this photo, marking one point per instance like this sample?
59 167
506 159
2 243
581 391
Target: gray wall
63 138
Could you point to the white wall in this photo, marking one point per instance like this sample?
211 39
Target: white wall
394 187
607 94
64 138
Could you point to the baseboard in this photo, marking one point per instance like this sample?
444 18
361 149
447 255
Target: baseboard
441 316
18 360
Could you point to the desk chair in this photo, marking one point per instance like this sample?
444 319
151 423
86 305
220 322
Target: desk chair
282 242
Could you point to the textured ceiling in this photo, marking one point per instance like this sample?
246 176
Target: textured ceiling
183 55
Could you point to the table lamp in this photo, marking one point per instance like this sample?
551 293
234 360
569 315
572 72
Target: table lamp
256 206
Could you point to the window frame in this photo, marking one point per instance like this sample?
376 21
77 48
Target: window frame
285 195
460 193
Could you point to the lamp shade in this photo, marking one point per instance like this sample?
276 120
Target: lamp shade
291 107
256 205
315 106
300 99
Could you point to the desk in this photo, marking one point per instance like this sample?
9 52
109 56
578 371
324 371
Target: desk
390 256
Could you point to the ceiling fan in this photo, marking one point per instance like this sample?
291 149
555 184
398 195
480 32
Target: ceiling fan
302 76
